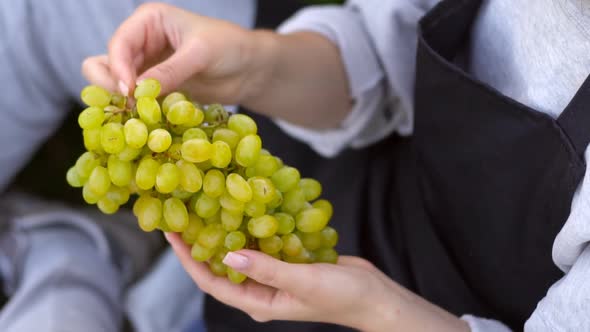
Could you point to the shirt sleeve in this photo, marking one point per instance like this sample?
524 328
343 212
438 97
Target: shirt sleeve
377 42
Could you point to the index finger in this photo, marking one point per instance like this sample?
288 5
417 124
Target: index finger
141 35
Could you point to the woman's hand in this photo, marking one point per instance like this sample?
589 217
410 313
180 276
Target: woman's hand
209 58
299 77
352 293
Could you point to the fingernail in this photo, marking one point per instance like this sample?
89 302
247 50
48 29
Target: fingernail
236 261
123 88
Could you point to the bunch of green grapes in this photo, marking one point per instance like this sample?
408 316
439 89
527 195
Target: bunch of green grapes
201 172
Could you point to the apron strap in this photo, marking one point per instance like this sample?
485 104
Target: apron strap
575 119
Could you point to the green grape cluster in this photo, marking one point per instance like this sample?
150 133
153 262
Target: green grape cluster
201 172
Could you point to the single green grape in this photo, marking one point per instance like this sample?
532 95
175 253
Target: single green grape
242 124
325 206
190 176
329 237
159 140
198 117
292 245
91 118
293 201
263 190
206 206
120 172
99 181
217 267
254 209
286 178
270 245
228 136
214 183
170 100
265 166
194 133
311 220
167 178
148 88
311 188
221 154
86 164
286 223
146 173
211 236
248 150
231 221
231 204
181 194
118 100
175 151
89 196
148 211
214 219
119 195
107 205
215 114
279 162
277 200
250 172
235 240
92 139
310 241
326 255
73 178
200 253
196 150
136 133
181 112
95 96
175 214
235 276
204 166
112 138
195 224
303 257
149 110
262 227
238 187
129 154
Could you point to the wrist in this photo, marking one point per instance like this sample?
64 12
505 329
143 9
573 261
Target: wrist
397 309
261 66
380 312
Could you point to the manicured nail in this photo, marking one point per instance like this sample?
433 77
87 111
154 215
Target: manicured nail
123 88
236 261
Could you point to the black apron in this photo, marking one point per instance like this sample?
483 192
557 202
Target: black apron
465 212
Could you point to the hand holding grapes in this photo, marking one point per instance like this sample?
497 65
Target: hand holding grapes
342 294
297 77
353 292
176 47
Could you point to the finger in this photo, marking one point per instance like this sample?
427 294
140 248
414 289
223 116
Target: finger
356 261
140 35
293 278
97 71
188 60
249 296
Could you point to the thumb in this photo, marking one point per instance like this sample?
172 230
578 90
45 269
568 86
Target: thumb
270 271
185 62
